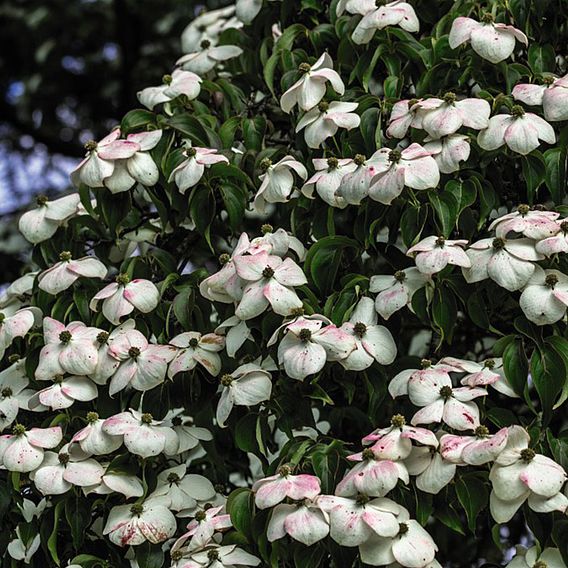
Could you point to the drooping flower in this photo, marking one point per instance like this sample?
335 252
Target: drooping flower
270 281
449 151
552 95
307 345
521 131
442 117
355 6
99 161
533 224
277 181
207 57
396 13
247 10
412 167
519 473
59 472
327 180
227 556
305 522
130 525
404 114
41 223
545 297
121 297
474 450
13 392
529 558
374 342
191 170
372 476
236 333
16 295
180 82
395 442
139 167
17 325
114 481
23 450
142 435
557 243
194 348
93 440
64 392
509 262
69 349
272 490
177 490
395 292
202 528
143 365
248 385
208 25
189 436
22 548
355 184
492 41
63 274
433 254
326 119
310 89
106 363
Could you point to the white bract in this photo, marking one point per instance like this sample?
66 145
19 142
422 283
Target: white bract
433 254
326 119
533 224
305 522
63 274
178 83
545 297
492 41
17 325
277 181
207 57
449 151
310 89
327 180
194 348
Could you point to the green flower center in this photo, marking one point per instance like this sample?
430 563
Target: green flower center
266 229
305 335
394 156
360 159
498 243
213 555
226 380
489 364
134 352
90 145
18 430
205 44
63 458
14 358
332 163
482 432
518 111
426 363
323 106
446 392
487 18
551 280
224 258
527 455
146 418
304 67
167 79
122 279
65 256
368 454
523 209
92 417
400 276
362 499
193 342
284 470
65 337
402 529
137 509
42 200
268 272
173 478
359 329
200 516
398 420
6 392
450 98
265 164
102 337
440 242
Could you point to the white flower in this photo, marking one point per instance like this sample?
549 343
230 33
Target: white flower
494 42
63 274
510 263
236 333
247 10
449 151
207 57
208 25
121 297
139 167
325 120
189 436
373 476
93 440
374 342
473 450
305 522
194 348
16 294
114 481
552 95
355 6
533 224
557 243
69 349
270 281
355 183
277 181
521 131
64 392
17 325
306 346
413 167
310 89
216 556
59 472
396 13
13 392
178 83
191 170
327 180
548 558
143 365
404 114
143 436
100 159
23 551
41 223
272 490
395 292
248 385
545 297
23 450
201 529
519 473
177 490
134 524
106 363
433 254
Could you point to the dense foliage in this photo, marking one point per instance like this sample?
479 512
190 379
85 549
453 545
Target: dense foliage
309 298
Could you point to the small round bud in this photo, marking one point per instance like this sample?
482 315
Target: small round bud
65 337
122 279
42 200
564 227
205 44
551 280
398 420
137 509
167 79
489 364
548 80
193 342
498 243
412 102
265 164
176 555
402 528
323 106
394 156
266 229
134 352
361 499
426 363
14 358
200 516
487 18
6 392
226 380
482 431
450 98
359 329
368 454
146 418
173 478
268 272
440 242
400 276
518 111
304 67
102 337
213 555
190 152
58 379
332 163
90 145
224 258
284 470
18 430
92 417
523 209
65 256
446 392
305 335
359 159
296 312
527 455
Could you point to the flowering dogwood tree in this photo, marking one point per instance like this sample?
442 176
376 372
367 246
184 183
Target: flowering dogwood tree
306 307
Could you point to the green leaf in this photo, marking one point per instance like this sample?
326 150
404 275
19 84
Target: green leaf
52 541
473 495
533 172
516 366
548 373
136 120
253 132
556 176
78 516
446 207
444 312
149 555
542 58
371 129
235 203
240 506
